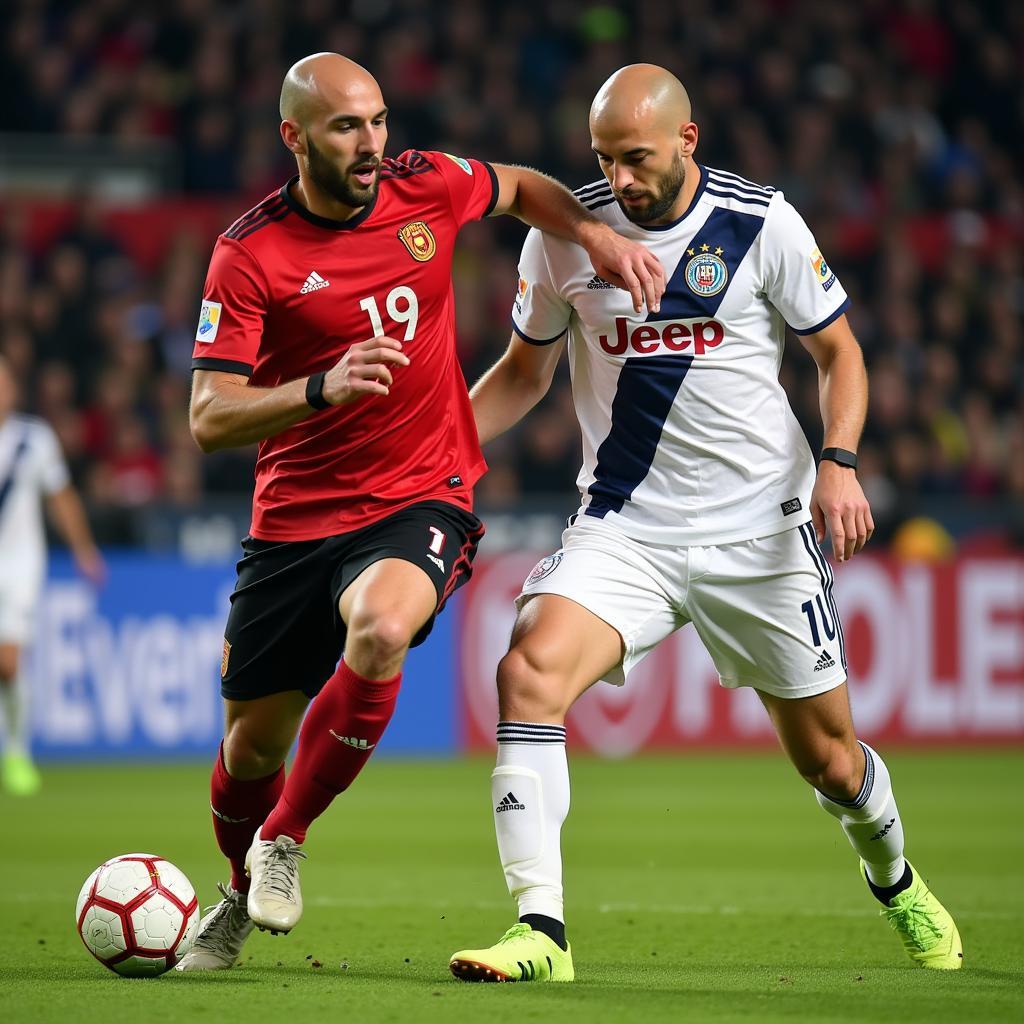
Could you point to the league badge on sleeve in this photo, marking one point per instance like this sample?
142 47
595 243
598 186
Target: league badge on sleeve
417 238
465 165
524 287
822 271
209 320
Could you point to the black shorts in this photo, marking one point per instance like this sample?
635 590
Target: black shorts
284 631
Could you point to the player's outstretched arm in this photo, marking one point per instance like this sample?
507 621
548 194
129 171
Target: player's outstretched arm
228 412
543 203
68 515
837 498
513 386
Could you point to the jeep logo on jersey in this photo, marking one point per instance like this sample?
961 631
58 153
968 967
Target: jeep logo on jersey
649 339
416 237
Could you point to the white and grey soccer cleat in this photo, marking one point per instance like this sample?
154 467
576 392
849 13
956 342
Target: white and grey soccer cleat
222 933
275 899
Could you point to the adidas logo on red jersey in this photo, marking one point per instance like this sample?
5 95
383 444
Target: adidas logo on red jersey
313 283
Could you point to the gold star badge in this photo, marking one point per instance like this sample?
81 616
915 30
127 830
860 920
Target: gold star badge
690 252
705 247
719 251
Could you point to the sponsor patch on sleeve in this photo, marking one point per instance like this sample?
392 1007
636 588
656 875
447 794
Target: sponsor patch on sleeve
822 271
459 162
209 320
521 293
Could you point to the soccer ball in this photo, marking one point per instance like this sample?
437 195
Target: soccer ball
138 915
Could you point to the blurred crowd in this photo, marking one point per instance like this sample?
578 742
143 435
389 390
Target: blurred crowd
893 125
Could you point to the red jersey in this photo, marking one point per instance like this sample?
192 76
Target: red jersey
288 292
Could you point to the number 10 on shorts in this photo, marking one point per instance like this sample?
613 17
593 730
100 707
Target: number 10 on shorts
828 624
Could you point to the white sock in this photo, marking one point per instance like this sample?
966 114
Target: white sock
13 692
530 797
872 822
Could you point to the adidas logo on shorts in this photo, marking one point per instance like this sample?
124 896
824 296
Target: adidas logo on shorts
598 282
825 661
510 803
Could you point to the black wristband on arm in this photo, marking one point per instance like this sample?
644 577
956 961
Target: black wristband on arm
315 390
839 455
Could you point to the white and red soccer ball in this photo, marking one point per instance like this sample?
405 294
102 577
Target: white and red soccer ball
138 915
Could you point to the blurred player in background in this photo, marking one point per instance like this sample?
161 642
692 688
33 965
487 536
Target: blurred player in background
327 334
700 504
32 474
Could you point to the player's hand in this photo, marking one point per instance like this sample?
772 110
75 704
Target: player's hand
90 564
364 370
838 500
628 265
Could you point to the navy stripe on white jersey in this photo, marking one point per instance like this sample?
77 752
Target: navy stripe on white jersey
743 190
727 177
593 188
594 196
734 201
730 186
712 190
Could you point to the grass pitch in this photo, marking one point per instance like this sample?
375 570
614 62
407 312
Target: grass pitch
699 888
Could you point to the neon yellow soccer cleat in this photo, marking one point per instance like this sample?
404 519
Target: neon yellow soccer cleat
521 954
925 927
20 777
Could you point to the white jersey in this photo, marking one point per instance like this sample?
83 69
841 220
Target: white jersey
688 437
31 466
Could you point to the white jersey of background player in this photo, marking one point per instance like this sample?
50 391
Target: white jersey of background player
701 504
32 471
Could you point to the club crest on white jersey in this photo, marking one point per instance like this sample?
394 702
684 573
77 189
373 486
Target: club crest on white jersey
688 437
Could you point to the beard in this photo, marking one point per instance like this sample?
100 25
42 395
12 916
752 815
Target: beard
336 183
667 191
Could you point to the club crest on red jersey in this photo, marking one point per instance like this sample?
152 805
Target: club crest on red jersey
417 238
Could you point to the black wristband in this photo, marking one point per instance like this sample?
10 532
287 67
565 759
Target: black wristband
839 455
315 391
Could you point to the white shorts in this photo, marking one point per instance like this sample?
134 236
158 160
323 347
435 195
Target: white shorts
18 602
763 608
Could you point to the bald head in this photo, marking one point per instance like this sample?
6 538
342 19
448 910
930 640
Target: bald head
326 83
334 121
641 131
641 95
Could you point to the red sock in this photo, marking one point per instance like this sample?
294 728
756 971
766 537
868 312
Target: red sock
239 808
342 727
